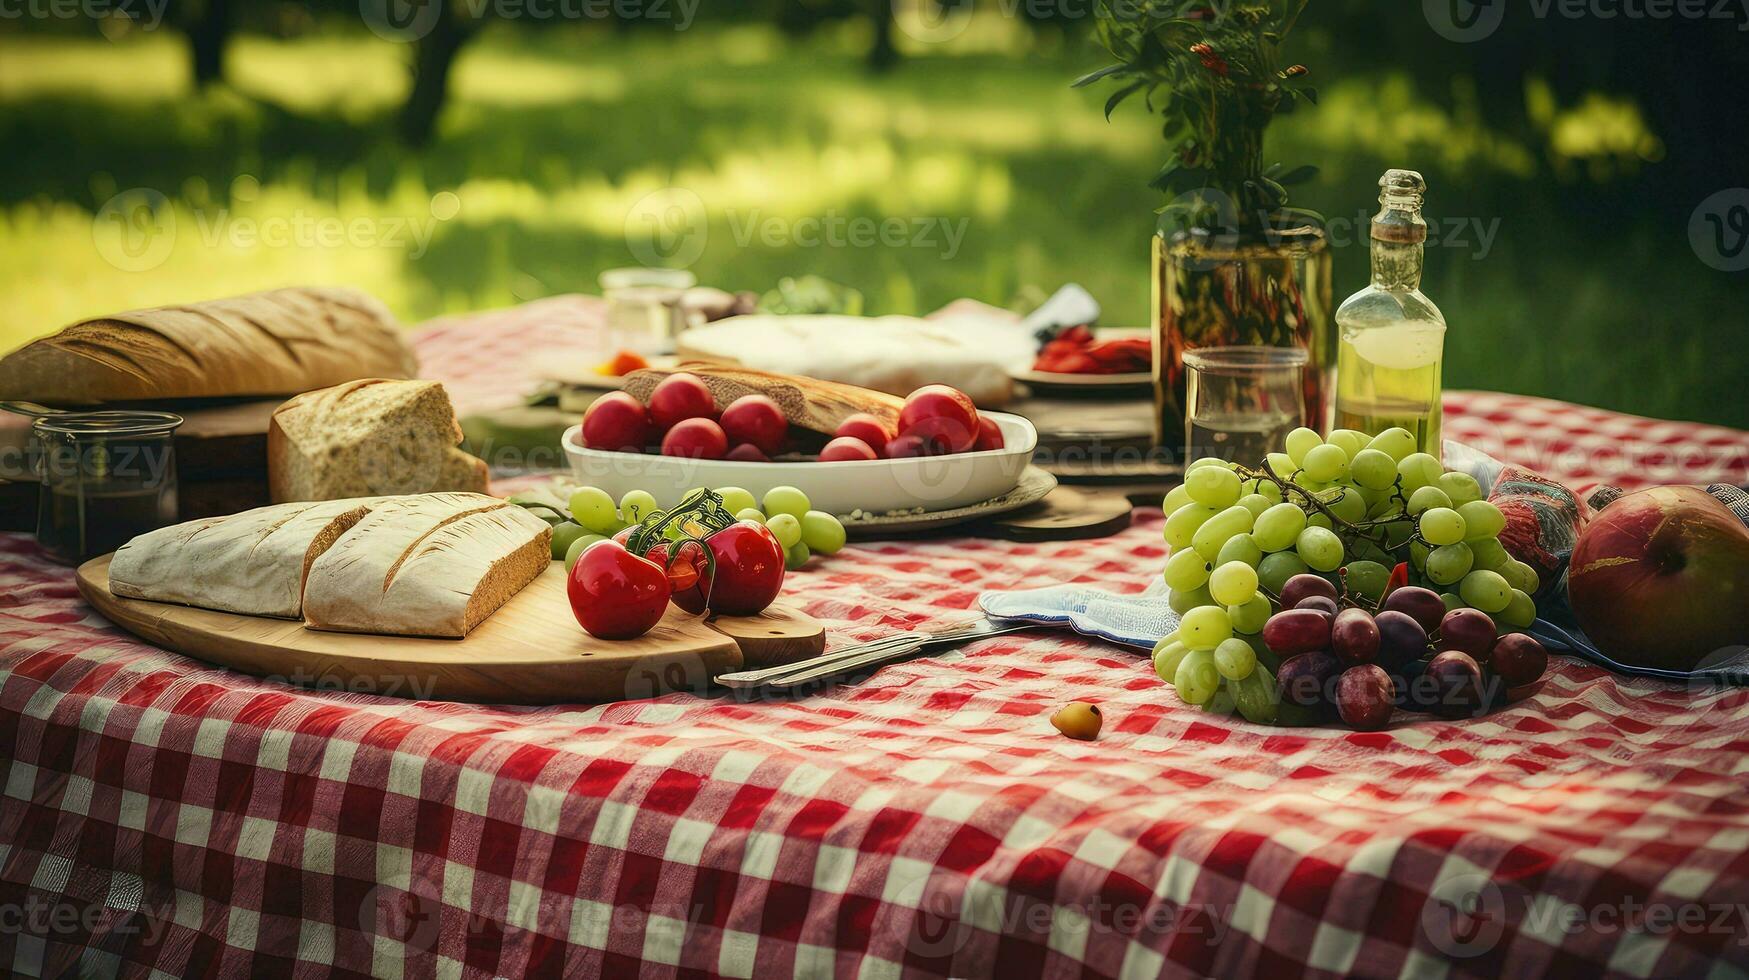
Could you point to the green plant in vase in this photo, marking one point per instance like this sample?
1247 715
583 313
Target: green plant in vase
1233 263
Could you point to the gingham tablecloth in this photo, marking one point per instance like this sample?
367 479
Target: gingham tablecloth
161 817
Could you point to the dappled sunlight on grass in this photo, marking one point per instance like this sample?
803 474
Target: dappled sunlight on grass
1383 117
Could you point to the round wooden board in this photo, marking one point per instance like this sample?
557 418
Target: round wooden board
1066 514
531 651
1034 484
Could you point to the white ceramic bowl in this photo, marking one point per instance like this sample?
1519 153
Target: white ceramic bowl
877 486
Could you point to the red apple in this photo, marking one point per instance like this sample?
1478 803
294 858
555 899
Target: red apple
616 421
680 397
869 429
989 435
846 449
1660 578
746 452
696 438
755 419
943 416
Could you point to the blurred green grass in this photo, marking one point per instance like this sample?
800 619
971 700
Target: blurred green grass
551 140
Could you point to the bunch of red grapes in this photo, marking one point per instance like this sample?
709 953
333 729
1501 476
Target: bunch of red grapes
1412 653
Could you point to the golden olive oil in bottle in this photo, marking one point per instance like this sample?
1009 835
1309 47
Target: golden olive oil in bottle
1392 337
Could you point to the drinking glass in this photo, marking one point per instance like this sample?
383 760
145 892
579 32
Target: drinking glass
644 311
106 477
1241 402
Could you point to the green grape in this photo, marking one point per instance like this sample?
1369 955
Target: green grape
1256 503
1239 548
1177 497
1520 610
1395 442
1213 486
1426 499
1460 487
578 545
1197 679
1251 615
1277 528
1346 503
1419 470
1233 583
1489 553
1269 491
750 514
1449 563
1235 659
1326 463
1299 442
1351 441
564 533
1442 526
1373 469
1183 602
1487 591
1274 570
1280 464
1451 601
1519 575
1222 702
1418 553
1186 570
1168 654
796 555
786 528
594 509
1255 697
637 505
1320 548
1388 507
1206 461
1204 627
1215 531
787 500
1306 483
1367 578
1481 520
1184 523
1322 520
822 533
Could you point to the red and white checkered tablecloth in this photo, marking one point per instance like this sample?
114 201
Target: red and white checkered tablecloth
161 817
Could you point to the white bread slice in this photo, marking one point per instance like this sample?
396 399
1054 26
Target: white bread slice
366 438
253 563
430 565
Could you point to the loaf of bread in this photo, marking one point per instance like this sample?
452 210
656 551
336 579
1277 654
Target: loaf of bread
369 438
253 563
820 406
430 565
278 342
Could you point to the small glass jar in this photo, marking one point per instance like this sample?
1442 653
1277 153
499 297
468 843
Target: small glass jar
106 477
644 308
1241 402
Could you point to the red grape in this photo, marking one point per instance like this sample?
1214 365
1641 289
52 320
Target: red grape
1456 680
1305 680
679 397
908 445
846 449
1297 631
1354 637
755 419
1305 585
1401 639
1322 603
1468 630
1519 659
869 429
618 422
697 438
1365 697
1422 605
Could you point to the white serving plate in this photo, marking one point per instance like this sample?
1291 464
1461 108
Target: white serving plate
880 485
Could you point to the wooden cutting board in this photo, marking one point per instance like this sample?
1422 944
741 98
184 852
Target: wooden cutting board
531 651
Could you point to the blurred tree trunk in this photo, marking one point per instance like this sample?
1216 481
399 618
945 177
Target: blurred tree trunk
431 67
882 53
208 31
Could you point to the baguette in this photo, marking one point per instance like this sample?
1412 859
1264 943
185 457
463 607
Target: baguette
820 406
271 343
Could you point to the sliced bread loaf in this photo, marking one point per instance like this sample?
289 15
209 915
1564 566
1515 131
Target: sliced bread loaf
431 565
367 438
253 563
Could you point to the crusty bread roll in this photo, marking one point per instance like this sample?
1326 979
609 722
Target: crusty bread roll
820 406
370 437
435 564
278 342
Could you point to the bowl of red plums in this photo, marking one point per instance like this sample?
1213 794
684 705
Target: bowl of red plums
938 452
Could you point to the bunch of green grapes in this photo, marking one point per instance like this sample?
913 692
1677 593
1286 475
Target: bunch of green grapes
1350 508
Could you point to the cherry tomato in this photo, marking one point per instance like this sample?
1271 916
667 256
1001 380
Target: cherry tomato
942 416
748 575
615 594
